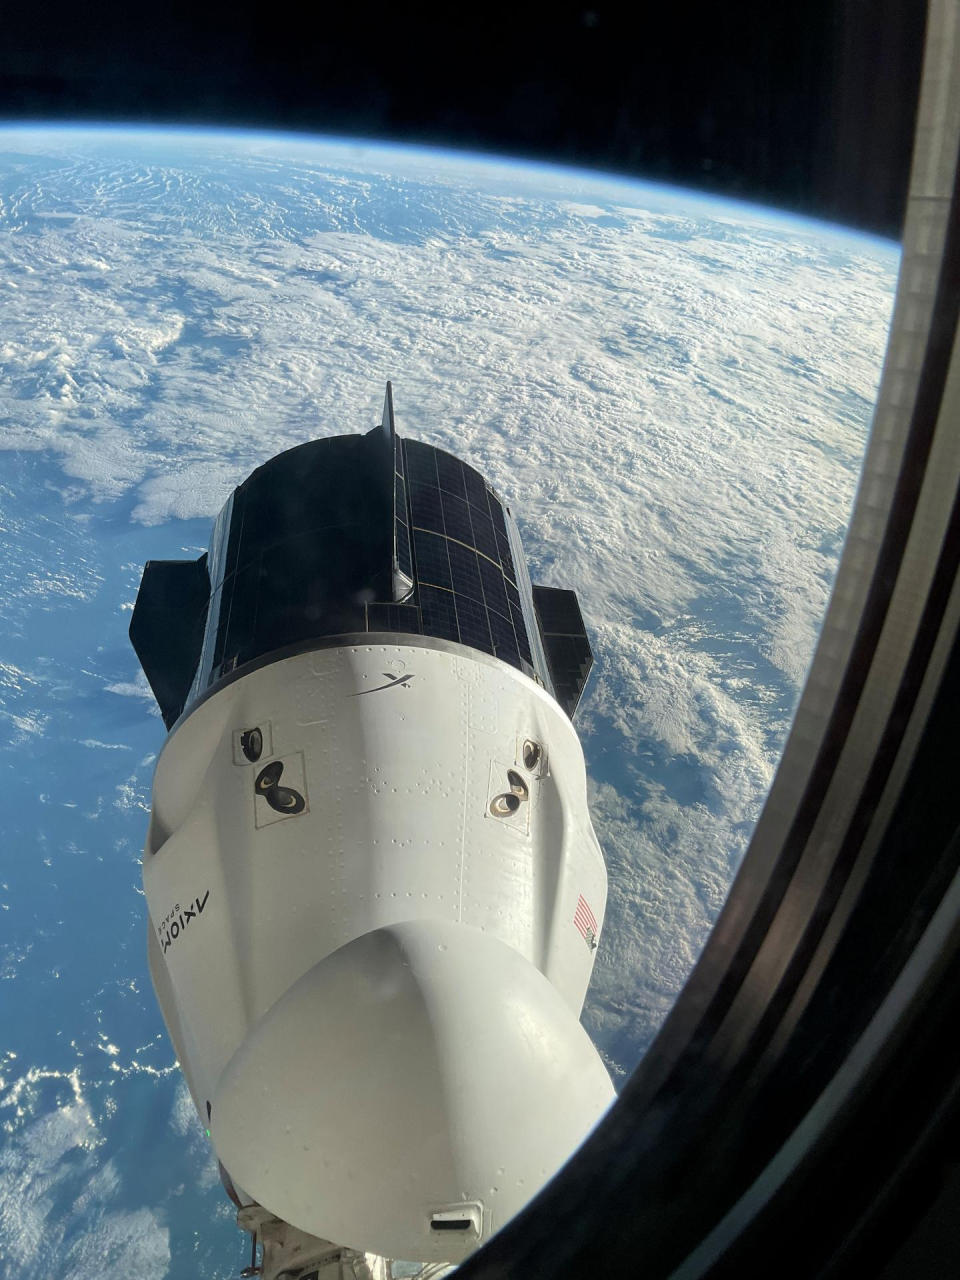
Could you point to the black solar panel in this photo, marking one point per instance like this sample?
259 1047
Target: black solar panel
450 473
466 574
393 617
476 488
484 538
474 628
494 592
523 643
506 559
421 460
476 635
323 519
504 640
496 511
439 614
454 544
433 563
456 519
507 653
427 512
501 629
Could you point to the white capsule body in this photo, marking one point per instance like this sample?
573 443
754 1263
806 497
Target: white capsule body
377 991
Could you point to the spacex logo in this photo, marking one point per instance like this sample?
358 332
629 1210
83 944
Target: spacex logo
392 683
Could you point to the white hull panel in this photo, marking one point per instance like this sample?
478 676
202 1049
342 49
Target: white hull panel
378 994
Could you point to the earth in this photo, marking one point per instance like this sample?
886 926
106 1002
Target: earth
672 392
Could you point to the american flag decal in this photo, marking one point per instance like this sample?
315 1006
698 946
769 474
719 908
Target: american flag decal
586 922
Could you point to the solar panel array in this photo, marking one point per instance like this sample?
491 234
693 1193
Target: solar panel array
311 544
466 578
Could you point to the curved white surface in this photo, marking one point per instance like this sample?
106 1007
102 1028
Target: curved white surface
378 991
422 1068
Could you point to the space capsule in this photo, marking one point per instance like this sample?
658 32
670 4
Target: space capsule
374 890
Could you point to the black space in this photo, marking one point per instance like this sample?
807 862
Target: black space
802 103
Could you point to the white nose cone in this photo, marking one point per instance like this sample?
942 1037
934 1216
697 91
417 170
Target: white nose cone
410 1093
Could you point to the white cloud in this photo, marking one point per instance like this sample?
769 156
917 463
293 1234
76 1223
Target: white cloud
138 688
55 1204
